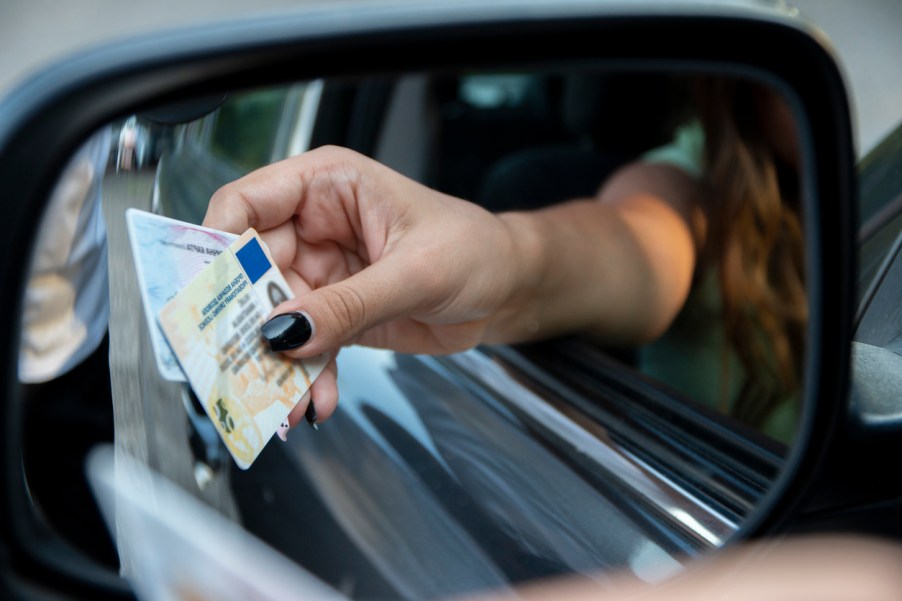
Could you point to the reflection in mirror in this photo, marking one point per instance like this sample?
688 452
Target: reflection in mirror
441 476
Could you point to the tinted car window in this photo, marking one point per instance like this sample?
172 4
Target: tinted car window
880 209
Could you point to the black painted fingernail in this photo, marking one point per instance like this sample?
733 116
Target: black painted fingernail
287 331
310 415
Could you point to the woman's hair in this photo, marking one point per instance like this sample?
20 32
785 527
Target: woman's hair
755 244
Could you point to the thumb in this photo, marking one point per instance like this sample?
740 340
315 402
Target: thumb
335 315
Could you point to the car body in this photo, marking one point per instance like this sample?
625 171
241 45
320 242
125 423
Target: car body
501 465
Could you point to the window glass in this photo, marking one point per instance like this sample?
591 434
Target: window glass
879 209
246 127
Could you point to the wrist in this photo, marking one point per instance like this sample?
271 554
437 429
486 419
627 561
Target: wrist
517 319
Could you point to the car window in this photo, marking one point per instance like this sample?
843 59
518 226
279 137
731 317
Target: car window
880 240
578 129
879 211
877 348
256 128
246 126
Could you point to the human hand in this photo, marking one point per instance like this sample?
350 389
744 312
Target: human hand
373 258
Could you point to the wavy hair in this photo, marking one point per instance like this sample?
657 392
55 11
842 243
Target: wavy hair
755 244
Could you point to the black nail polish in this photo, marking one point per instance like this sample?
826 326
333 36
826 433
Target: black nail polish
310 415
287 331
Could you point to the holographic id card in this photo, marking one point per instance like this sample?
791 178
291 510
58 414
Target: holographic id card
213 327
168 254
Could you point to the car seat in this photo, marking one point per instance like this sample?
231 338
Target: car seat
612 118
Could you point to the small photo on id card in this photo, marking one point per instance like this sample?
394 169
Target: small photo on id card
213 327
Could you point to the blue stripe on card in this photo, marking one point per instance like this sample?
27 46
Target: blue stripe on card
253 260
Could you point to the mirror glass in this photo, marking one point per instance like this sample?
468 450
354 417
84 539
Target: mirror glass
445 475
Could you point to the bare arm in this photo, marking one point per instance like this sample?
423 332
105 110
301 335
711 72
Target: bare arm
375 258
618 266
824 567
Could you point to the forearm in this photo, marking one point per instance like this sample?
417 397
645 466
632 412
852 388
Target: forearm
618 273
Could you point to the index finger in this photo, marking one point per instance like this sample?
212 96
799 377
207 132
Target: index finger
271 195
263 199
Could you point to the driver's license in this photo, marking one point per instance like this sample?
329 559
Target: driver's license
213 327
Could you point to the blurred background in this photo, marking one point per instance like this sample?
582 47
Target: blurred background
34 33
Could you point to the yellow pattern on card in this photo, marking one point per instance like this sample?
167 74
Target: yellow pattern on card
213 327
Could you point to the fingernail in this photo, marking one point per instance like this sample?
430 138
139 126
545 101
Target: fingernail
287 331
283 431
310 415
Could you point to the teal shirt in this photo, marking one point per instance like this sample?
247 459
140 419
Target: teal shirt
685 151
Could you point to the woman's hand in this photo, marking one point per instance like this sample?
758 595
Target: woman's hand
377 259
373 258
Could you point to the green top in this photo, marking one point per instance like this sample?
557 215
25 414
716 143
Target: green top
685 151
690 355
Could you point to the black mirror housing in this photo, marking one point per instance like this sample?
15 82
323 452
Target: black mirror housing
44 121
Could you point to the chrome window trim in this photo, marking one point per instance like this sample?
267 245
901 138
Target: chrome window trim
702 523
303 131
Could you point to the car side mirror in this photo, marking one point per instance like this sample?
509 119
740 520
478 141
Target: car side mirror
351 61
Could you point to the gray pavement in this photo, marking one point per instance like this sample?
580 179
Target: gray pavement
867 37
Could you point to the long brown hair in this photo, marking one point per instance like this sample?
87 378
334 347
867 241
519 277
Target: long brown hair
755 244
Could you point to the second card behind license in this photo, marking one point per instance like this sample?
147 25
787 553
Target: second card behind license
168 254
213 326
